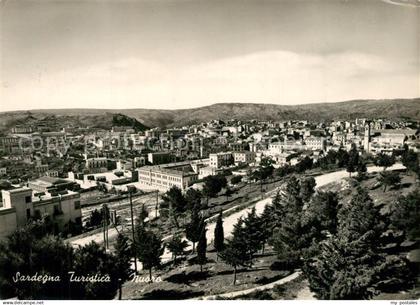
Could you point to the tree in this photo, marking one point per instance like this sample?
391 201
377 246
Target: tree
274 213
236 179
389 179
149 249
252 227
342 157
29 250
360 219
353 160
194 227
304 164
321 212
291 197
361 171
123 254
349 264
235 253
95 219
264 171
174 203
329 160
292 237
384 160
202 247
339 272
307 188
228 192
405 215
289 239
410 160
193 199
219 238
177 246
266 225
213 185
284 170
93 259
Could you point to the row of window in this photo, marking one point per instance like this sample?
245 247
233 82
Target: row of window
170 178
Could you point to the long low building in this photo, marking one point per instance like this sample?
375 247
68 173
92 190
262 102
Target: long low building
161 178
20 205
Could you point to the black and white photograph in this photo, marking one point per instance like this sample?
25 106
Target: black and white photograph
209 150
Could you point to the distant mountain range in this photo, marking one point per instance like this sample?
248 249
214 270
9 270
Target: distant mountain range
141 118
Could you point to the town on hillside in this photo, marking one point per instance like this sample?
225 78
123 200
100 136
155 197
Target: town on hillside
217 210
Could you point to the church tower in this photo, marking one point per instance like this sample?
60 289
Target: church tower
366 141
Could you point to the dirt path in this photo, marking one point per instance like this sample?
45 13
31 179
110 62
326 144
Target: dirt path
234 294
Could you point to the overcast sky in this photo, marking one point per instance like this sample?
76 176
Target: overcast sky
182 54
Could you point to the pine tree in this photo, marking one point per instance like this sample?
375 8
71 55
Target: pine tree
252 227
307 188
202 247
353 160
360 219
93 259
277 211
173 204
350 265
410 160
123 253
193 199
291 237
142 216
389 179
265 226
341 271
219 238
405 215
384 160
177 246
149 249
193 228
321 212
361 171
292 196
236 253
342 157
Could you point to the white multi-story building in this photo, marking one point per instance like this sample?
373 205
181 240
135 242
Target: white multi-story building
339 138
279 147
243 157
161 178
315 143
221 159
22 204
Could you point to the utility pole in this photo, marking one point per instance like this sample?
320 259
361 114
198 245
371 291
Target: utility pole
103 224
157 203
105 227
132 228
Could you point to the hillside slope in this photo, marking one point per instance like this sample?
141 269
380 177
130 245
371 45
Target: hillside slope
391 109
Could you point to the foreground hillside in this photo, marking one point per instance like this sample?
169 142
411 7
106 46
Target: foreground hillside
392 109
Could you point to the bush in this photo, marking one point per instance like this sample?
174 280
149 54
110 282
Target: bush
236 179
284 265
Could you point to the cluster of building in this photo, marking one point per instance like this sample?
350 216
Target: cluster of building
33 158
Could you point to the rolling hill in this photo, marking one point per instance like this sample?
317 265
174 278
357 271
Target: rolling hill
390 109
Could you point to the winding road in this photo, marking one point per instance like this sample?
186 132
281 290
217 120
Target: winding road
231 220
